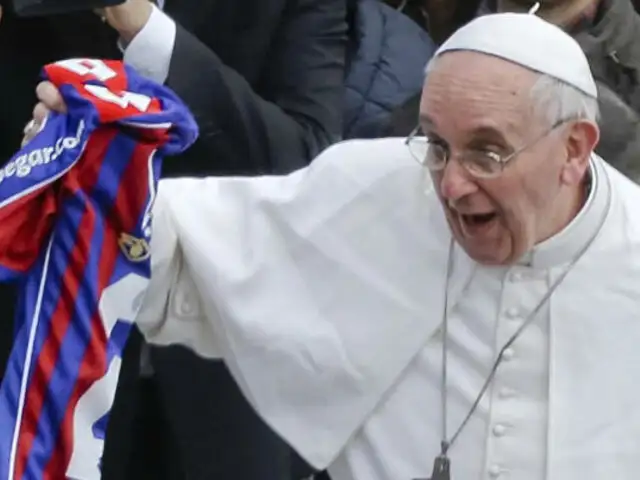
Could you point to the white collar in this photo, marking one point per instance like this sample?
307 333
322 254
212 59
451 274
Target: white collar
565 245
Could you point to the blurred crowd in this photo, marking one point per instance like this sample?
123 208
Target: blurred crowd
272 83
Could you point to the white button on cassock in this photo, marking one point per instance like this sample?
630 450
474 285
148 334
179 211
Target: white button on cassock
505 393
494 471
499 430
186 308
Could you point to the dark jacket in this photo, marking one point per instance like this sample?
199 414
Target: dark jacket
385 66
265 81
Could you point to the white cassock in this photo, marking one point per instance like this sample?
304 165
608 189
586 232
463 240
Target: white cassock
324 292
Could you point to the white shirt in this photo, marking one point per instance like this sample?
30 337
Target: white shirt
150 51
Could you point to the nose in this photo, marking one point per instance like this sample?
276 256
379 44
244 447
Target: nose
455 181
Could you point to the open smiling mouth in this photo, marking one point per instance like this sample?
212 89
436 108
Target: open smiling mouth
478 219
477 224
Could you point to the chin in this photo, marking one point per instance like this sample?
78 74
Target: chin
488 259
486 256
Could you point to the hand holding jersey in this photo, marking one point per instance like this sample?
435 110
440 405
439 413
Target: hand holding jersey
50 100
75 211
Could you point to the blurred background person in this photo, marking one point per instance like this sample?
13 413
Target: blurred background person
440 17
609 33
607 30
619 133
265 80
386 55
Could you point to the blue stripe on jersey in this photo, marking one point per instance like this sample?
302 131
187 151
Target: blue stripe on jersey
78 169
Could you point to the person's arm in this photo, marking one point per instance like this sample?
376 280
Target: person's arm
242 132
303 78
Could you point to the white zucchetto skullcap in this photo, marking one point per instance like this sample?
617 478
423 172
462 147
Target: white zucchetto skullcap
526 40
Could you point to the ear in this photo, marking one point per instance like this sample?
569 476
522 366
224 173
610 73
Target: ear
581 140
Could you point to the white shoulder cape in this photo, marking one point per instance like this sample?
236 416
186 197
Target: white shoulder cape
320 287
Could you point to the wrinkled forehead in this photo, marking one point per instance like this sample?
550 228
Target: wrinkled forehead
465 91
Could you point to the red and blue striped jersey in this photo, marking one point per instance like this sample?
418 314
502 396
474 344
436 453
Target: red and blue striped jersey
75 214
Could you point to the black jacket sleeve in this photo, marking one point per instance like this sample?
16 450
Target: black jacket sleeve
241 131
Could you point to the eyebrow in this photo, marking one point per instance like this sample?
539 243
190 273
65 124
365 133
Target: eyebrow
488 132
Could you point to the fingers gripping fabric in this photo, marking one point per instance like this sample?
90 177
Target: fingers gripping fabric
75 216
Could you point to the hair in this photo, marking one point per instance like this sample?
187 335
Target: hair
555 99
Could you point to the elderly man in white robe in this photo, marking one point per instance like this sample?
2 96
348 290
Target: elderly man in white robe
475 314
471 315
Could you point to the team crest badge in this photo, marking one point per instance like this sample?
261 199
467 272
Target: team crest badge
135 249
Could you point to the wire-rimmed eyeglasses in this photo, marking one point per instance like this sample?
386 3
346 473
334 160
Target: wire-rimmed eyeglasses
479 163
